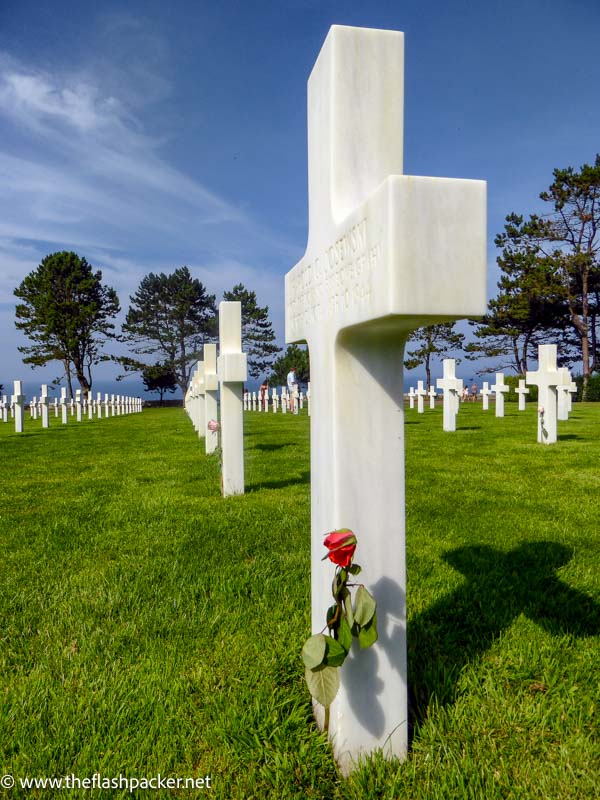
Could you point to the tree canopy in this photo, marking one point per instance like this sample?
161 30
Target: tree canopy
550 283
529 309
258 337
432 341
294 356
170 316
159 378
66 312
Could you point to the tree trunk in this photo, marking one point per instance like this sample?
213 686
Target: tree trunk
68 377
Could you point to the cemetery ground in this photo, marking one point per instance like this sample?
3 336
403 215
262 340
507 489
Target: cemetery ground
150 626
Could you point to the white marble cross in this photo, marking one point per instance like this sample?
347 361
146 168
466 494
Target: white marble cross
198 408
78 404
18 400
546 378
64 411
211 388
99 405
420 393
485 393
500 388
44 403
90 406
451 386
232 371
522 390
386 254
4 408
432 395
411 397
566 387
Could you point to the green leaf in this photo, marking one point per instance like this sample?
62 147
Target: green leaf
335 654
368 635
345 634
313 650
348 608
364 607
323 684
354 569
339 583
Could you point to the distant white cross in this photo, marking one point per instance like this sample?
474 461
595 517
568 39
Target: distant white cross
500 388
522 390
546 378
451 387
420 393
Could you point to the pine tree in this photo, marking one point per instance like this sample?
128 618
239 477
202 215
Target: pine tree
171 316
294 356
432 340
529 309
66 312
159 378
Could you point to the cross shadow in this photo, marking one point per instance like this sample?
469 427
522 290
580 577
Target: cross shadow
268 448
304 477
498 588
567 436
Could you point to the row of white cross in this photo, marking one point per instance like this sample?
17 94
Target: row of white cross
555 387
78 406
292 401
226 373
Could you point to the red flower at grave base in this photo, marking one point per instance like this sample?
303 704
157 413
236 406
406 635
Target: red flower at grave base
341 545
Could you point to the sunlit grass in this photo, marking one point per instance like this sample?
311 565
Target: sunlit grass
151 626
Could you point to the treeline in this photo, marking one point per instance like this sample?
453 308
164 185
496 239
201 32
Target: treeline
68 314
549 291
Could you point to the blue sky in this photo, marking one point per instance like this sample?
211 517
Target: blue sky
147 135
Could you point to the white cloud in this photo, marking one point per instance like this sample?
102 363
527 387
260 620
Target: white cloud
77 166
81 169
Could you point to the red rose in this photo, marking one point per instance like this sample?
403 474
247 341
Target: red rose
341 545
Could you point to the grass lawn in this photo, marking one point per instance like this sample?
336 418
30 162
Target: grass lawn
149 626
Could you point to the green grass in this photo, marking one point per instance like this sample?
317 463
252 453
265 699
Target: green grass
149 626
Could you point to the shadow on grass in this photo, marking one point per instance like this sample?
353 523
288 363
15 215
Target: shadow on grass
468 428
268 448
563 437
498 588
304 477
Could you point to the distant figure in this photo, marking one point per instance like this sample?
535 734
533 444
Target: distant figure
474 392
263 393
291 385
